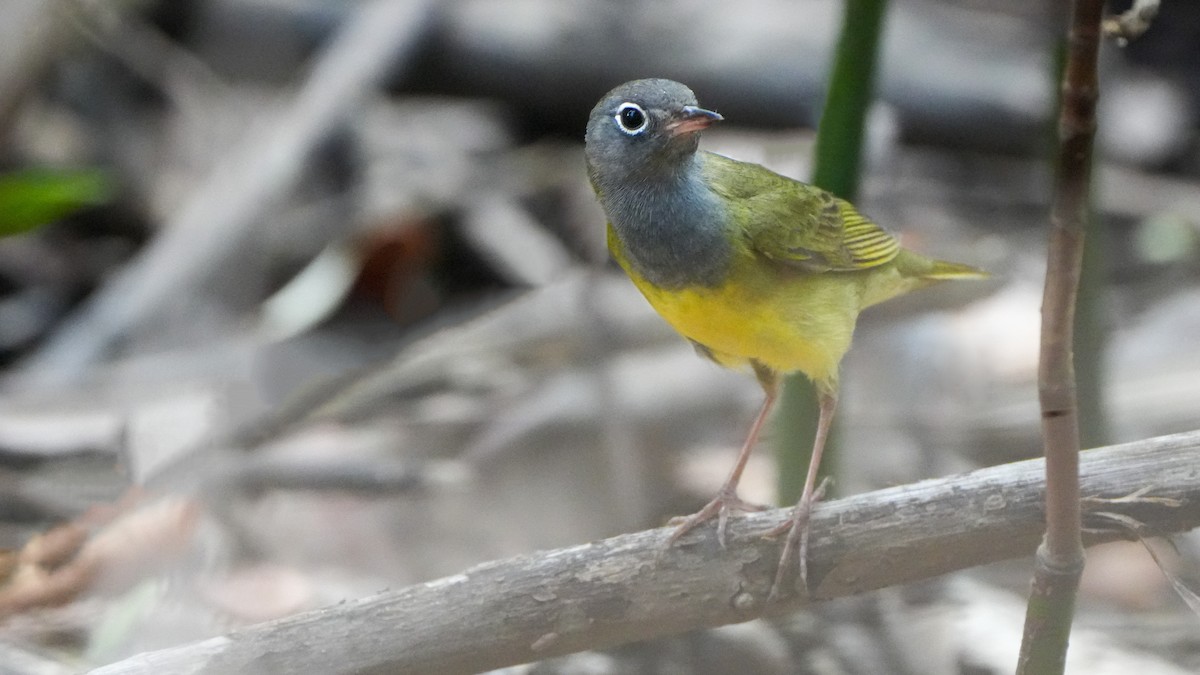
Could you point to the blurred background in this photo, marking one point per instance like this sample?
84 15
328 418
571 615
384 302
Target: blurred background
304 299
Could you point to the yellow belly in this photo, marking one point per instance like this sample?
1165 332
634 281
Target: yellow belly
803 323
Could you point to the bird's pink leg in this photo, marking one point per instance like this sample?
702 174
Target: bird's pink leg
727 500
797 527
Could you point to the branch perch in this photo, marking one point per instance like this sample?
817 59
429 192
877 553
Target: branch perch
632 587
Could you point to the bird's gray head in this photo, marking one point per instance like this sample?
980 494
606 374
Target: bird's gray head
642 131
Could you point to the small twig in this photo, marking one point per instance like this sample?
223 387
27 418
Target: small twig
1137 529
1130 24
1138 496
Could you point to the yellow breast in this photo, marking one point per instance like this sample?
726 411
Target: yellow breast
801 323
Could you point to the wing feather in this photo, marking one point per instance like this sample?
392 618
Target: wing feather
797 224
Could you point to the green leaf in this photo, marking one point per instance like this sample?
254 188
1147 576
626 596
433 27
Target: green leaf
30 198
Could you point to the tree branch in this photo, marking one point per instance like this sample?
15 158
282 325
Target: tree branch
632 587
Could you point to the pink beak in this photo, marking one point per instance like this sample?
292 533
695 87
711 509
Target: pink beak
692 119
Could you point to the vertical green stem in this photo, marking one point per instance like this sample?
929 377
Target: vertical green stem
836 168
1091 337
851 90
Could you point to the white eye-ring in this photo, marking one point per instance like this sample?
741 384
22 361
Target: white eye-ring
631 119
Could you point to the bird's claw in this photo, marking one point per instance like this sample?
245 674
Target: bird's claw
795 547
721 506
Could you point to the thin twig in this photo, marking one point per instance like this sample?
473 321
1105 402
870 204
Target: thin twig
633 587
1130 24
1059 561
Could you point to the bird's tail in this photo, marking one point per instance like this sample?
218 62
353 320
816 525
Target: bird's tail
913 271
942 270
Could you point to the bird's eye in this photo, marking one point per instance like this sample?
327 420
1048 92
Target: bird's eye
632 119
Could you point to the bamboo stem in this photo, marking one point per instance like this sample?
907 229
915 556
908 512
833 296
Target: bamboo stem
1059 561
838 155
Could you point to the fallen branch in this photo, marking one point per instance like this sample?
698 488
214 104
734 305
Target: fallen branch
632 587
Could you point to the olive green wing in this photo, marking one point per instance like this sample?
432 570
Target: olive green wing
797 224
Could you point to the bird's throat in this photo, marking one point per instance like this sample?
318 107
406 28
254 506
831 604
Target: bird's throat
673 233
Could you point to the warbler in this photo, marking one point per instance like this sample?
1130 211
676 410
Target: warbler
759 271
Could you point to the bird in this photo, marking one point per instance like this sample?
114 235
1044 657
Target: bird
759 271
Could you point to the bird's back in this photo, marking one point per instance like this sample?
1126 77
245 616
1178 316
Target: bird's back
796 228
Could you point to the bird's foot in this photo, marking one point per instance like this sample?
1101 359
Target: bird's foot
795 549
721 506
